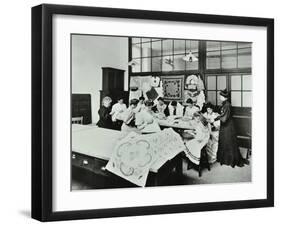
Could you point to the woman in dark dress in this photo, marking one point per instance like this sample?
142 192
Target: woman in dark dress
104 113
228 150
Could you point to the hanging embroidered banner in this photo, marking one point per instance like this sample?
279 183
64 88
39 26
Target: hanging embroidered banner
173 87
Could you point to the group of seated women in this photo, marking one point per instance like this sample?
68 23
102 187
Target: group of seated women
138 117
141 116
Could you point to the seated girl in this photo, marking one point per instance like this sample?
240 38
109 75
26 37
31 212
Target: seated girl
212 146
128 117
199 139
104 114
140 105
145 121
190 109
175 109
160 108
116 110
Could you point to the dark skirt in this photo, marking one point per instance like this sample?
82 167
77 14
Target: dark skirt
228 150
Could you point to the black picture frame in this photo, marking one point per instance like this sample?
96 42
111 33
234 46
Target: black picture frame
42 111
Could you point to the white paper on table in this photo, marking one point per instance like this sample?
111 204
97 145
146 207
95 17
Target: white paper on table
135 154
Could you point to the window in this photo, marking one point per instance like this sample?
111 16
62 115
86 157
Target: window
240 86
241 90
163 55
215 83
228 55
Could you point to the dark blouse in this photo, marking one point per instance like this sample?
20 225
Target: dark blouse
105 118
225 112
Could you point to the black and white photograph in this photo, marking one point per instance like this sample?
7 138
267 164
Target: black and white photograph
149 111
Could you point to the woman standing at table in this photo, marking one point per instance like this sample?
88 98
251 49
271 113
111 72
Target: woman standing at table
228 150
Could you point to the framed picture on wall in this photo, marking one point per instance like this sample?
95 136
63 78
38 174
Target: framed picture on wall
119 110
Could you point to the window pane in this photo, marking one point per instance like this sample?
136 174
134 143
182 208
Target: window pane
211 81
244 58
146 65
235 82
228 45
221 82
247 82
136 40
156 39
179 46
236 99
247 99
244 61
146 49
156 64
156 48
179 63
167 63
136 51
211 97
167 47
193 47
145 39
213 60
229 58
137 66
213 46
244 45
218 98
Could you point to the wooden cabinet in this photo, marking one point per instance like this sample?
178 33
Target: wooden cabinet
113 85
112 79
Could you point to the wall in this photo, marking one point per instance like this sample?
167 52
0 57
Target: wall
15 93
89 55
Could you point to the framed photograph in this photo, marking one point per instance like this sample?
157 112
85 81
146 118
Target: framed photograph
146 112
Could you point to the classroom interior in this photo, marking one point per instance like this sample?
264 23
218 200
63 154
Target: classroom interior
134 67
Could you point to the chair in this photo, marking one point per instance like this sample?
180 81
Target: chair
249 147
246 142
77 120
203 162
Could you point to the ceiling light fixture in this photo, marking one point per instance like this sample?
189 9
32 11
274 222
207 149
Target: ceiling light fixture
190 57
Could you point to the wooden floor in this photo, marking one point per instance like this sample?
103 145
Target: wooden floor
218 174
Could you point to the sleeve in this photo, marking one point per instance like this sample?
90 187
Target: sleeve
181 108
128 117
185 111
124 107
113 110
199 134
103 113
154 108
139 119
166 111
225 114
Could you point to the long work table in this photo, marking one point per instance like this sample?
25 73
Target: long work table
92 148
